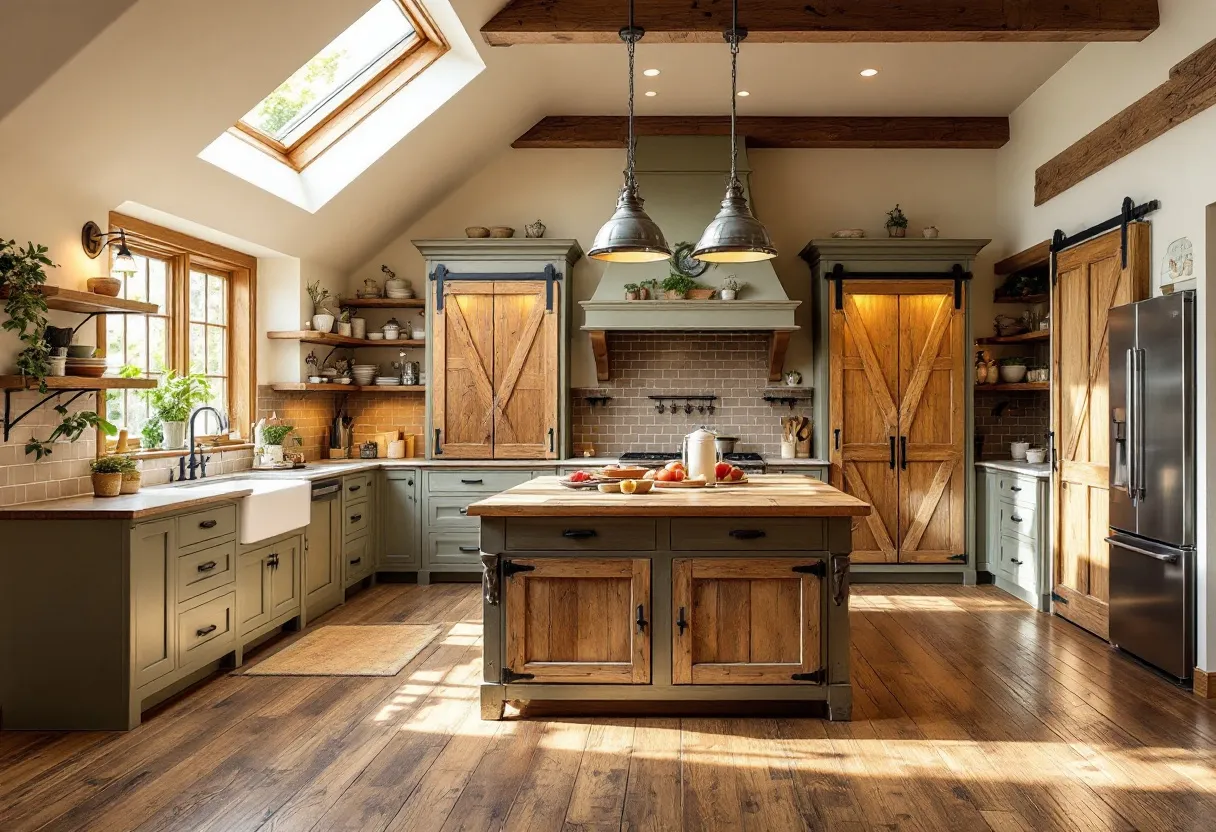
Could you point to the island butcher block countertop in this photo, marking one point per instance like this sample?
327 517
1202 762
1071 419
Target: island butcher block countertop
764 495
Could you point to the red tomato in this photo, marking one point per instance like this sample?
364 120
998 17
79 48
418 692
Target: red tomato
736 474
580 476
722 470
665 475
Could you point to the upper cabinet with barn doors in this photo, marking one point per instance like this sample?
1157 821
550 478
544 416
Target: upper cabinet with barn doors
498 321
892 358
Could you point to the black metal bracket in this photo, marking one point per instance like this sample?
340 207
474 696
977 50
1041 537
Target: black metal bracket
706 403
961 558
957 274
509 676
818 569
840 578
10 422
510 567
788 397
550 275
817 676
1129 212
592 401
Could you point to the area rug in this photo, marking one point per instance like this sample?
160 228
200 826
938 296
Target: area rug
339 650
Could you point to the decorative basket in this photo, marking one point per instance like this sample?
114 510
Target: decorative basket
700 294
107 485
131 482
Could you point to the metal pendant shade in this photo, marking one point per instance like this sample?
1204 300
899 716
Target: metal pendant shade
735 235
630 235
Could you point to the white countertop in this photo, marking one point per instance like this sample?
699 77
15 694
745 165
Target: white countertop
1042 470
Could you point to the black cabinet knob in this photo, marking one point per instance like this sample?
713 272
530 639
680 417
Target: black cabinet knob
208 524
208 566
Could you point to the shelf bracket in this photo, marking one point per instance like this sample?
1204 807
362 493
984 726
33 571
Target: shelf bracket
91 315
10 423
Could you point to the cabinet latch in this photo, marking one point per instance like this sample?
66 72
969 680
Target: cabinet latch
510 567
818 569
962 558
509 676
817 676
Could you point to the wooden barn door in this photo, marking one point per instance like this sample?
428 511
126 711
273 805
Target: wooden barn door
462 405
525 371
1090 279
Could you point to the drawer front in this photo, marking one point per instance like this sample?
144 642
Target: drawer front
1018 489
207 631
358 560
205 525
1017 518
205 570
556 534
746 534
356 519
444 513
355 487
474 482
1020 562
453 549
819 473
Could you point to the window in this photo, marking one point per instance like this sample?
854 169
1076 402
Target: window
204 324
343 83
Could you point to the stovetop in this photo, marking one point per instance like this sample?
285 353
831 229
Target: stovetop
748 461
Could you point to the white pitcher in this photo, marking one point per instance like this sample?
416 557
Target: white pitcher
700 455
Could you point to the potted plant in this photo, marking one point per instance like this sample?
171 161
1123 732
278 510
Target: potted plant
730 287
1013 370
272 442
648 289
897 223
151 435
344 327
107 475
632 291
322 318
132 477
173 400
677 286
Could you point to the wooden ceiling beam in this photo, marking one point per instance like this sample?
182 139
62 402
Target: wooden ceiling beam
776 131
826 21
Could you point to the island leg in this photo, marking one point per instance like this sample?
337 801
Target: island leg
840 703
492 702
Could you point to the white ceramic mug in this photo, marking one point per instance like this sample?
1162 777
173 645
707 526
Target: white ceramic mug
1018 450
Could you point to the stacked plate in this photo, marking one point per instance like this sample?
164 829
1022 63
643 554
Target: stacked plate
364 373
401 295
88 367
388 381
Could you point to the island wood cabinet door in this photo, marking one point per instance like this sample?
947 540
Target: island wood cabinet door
752 621
495 370
578 620
898 415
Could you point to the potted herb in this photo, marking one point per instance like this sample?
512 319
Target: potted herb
344 327
897 223
173 400
151 434
730 287
107 475
132 477
1013 370
272 442
677 286
648 289
322 318
632 291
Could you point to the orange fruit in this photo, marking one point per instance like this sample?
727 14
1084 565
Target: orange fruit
629 486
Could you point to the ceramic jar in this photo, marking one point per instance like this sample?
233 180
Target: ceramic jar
358 327
392 330
534 229
930 233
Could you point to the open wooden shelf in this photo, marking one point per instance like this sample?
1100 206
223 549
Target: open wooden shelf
1036 257
88 303
77 383
383 303
329 339
1023 387
1024 299
304 387
1024 338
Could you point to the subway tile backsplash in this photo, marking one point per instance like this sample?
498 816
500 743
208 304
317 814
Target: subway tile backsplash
65 473
1002 418
312 414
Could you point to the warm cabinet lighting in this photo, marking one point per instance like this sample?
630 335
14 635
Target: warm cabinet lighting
869 73
650 73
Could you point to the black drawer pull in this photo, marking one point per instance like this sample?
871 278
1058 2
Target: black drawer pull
579 534
472 482
208 524
354 488
1015 488
206 631
273 560
681 621
1015 518
355 518
469 548
641 620
746 534
208 566
1015 560
356 561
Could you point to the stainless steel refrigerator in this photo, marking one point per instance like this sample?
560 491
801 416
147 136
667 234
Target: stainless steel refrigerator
1152 481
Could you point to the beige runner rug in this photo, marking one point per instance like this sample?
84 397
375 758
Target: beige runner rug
344 650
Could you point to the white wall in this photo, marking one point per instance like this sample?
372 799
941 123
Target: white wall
1179 169
800 195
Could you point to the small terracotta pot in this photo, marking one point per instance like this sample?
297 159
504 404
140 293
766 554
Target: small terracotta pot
631 296
700 294
671 294
131 482
107 485
897 232
643 294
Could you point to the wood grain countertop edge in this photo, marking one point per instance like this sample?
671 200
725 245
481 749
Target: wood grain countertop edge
90 509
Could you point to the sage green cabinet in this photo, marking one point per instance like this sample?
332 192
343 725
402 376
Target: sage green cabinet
322 579
1012 533
401 511
819 472
359 500
252 591
153 648
268 586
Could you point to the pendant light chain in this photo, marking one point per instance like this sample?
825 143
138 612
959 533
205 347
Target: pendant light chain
734 85
631 45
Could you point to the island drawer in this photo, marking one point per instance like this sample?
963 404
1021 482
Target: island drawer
205 525
205 570
206 632
748 534
474 481
555 534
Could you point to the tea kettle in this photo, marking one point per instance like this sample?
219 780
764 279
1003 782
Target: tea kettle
700 454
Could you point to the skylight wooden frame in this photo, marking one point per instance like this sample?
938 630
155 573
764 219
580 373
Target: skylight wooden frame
427 46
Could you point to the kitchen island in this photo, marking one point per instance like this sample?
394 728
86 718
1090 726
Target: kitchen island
725 594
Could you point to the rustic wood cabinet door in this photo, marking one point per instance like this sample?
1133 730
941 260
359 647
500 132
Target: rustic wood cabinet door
1090 279
525 370
932 379
578 620
744 621
463 370
865 416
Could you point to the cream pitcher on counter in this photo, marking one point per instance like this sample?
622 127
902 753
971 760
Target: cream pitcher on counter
700 454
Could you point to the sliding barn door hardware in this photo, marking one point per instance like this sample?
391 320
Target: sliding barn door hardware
550 275
1130 212
957 274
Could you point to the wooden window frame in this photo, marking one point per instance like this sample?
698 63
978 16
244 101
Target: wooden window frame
427 47
182 251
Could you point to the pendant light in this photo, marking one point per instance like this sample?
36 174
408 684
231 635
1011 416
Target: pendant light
735 235
630 235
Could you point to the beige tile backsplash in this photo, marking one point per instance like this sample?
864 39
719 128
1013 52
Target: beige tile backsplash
62 474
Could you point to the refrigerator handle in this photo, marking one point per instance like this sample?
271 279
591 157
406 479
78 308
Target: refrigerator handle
1167 558
1129 406
1138 447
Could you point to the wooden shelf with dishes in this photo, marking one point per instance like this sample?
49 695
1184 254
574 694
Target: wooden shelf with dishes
77 383
1021 387
330 339
383 303
90 303
305 387
1025 300
1025 338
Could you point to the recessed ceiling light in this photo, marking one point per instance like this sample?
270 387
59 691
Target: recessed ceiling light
869 73
743 93
651 93
650 72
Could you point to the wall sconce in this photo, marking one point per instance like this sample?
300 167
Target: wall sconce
94 243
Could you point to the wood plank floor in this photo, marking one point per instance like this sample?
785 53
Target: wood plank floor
972 713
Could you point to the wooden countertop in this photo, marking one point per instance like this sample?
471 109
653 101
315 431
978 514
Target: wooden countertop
149 502
766 495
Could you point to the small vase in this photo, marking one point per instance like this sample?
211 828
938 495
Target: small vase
643 293
534 229
895 231
345 329
323 322
358 327
631 296
132 482
107 485
174 435
930 233
727 294
272 454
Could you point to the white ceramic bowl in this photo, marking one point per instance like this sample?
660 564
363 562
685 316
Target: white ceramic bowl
375 336
1036 456
1013 373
